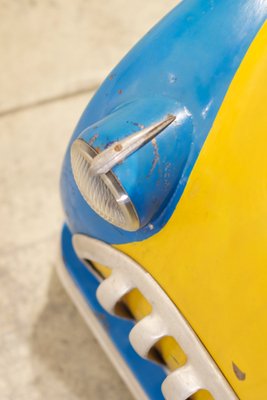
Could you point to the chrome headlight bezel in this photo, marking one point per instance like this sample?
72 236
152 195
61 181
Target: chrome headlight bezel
103 193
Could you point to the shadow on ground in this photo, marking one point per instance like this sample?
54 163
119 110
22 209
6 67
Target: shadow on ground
63 345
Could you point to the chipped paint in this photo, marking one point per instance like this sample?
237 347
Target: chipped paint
239 374
93 139
156 155
167 174
138 125
172 78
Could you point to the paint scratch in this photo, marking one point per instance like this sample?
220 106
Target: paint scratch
156 155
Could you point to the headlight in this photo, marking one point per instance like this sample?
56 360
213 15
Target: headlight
127 165
103 193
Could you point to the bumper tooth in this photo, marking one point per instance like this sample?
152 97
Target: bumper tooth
111 290
181 384
146 333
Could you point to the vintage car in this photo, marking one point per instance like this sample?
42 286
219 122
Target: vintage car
164 187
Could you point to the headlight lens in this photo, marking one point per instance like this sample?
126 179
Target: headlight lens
103 193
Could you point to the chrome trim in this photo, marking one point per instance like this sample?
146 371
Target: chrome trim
118 151
81 150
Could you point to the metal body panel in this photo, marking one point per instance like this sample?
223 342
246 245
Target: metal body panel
199 371
211 257
191 57
207 247
150 175
117 329
101 333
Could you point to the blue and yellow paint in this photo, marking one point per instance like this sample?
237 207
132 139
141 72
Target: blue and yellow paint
208 247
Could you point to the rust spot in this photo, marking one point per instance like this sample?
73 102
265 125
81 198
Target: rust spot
97 149
93 139
118 147
119 91
239 374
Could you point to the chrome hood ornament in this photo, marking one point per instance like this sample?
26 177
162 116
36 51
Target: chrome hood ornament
118 151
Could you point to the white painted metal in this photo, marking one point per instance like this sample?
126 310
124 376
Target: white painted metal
182 384
200 371
113 289
100 333
151 330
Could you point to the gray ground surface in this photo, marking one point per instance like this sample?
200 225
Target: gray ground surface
54 54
